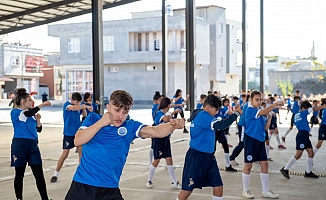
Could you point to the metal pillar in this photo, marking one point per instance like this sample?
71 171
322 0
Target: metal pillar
98 67
262 85
165 64
191 52
244 46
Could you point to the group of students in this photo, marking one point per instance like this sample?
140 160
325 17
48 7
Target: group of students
106 141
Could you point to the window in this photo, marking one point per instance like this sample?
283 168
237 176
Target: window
73 45
221 63
221 28
157 45
108 43
154 36
182 40
147 41
139 41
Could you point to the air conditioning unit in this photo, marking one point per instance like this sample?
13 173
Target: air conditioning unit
15 61
151 68
113 69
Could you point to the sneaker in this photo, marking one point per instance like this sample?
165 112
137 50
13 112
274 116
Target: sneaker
281 146
270 159
271 148
270 194
310 134
185 130
230 169
230 145
247 195
176 185
228 133
53 179
149 184
283 139
310 175
281 123
285 173
234 163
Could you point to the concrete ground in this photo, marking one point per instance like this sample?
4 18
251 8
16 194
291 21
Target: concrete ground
135 173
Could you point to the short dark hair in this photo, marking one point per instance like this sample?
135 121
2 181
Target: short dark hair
203 96
254 93
76 96
314 101
269 95
272 98
305 105
121 99
275 95
209 92
296 98
235 98
297 91
87 95
213 101
225 100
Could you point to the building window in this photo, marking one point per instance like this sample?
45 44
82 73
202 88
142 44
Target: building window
73 45
221 28
108 43
157 45
182 40
139 41
79 81
221 63
147 41
154 36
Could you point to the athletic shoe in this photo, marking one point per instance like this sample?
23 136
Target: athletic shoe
283 139
230 145
310 134
270 159
247 194
54 179
176 185
228 133
230 169
270 194
281 146
149 184
310 175
234 163
185 130
280 122
271 148
285 173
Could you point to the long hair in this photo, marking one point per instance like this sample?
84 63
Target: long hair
177 92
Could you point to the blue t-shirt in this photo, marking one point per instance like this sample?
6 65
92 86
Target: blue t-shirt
104 156
295 107
288 101
154 109
94 106
242 121
301 121
180 101
24 127
255 124
158 117
323 120
199 106
241 102
71 120
202 134
315 113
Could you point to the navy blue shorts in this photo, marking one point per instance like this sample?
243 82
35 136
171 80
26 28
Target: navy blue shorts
273 124
80 191
314 120
68 142
322 132
161 147
289 107
200 170
25 151
220 136
302 140
254 150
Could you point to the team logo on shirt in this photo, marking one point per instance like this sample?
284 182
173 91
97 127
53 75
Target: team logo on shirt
322 135
249 158
122 131
67 143
14 158
160 153
301 146
191 182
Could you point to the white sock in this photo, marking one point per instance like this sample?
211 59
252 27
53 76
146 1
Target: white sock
217 198
269 136
245 181
151 173
287 132
56 174
264 182
227 159
151 155
267 150
278 139
309 164
177 198
290 163
171 173
242 133
315 151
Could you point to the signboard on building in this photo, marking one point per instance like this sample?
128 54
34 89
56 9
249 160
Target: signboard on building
33 64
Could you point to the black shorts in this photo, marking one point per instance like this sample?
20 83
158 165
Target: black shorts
292 120
266 135
25 151
68 142
289 108
80 191
322 132
181 114
302 140
161 147
254 150
200 170
314 120
273 124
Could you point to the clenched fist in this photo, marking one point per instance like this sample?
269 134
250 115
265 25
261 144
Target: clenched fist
177 123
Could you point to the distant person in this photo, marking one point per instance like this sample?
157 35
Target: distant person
87 100
177 99
295 109
201 101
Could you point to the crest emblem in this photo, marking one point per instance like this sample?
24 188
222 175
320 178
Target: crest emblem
191 182
122 131
301 146
249 158
14 158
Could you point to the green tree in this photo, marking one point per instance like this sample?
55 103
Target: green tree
289 85
282 85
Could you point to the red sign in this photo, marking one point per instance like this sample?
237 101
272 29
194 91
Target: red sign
34 64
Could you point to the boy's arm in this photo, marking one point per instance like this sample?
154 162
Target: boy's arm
268 123
319 107
76 107
268 109
223 124
161 130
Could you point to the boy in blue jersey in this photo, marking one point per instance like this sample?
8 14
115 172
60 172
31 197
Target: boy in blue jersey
295 110
257 121
106 141
71 123
201 101
322 128
177 99
87 100
273 126
277 110
24 147
200 167
302 140
314 117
